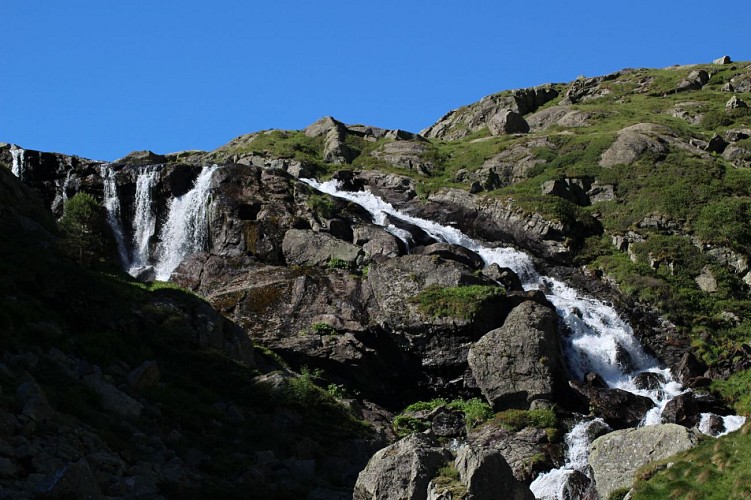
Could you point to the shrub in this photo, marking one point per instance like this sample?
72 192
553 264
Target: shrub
88 238
516 420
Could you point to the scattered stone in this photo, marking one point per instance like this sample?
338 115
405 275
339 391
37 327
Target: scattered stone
75 480
716 145
616 456
706 280
685 409
735 103
34 402
689 367
722 60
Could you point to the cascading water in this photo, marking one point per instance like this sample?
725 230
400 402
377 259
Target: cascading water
144 220
598 337
112 205
19 165
186 228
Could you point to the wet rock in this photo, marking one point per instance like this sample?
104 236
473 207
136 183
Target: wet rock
686 408
619 408
487 475
377 242
688 367
616 456
649 381
520 361
402 470
448 251
505 276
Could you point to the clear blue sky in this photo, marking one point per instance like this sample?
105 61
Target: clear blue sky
102 78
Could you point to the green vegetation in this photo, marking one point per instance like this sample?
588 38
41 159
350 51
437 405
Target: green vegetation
88 238
322 329
516 420
716 469
475 410
736 390
323 206
456 302
447 482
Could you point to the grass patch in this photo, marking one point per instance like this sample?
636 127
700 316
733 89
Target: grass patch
475 410
715 469
455 302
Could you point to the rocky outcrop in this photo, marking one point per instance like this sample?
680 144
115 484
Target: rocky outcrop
492 112
402 470
409 155
521 361
500 220
487 476
561 116
615 457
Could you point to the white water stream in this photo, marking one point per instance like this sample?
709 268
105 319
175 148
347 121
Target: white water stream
599 341
144 219
18 165
186 230
112 205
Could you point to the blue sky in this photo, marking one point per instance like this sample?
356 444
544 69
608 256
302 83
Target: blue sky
102 78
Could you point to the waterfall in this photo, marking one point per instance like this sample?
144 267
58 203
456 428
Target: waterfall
144 220
19 165
552 485
599 340
112 204
186 229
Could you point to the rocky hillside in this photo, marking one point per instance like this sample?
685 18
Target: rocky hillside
298 336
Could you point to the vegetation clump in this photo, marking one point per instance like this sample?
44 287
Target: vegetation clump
411 419
455 302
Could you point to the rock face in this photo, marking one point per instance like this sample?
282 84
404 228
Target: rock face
520 361
402 470
492 112
409 155
487 475
616 456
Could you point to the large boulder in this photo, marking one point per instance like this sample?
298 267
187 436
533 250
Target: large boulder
487 476
635 141
615 457
507 122
520 361
402 470
303 247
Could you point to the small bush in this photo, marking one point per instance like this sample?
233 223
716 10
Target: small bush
323 329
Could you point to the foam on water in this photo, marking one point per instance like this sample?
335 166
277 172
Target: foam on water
144 219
